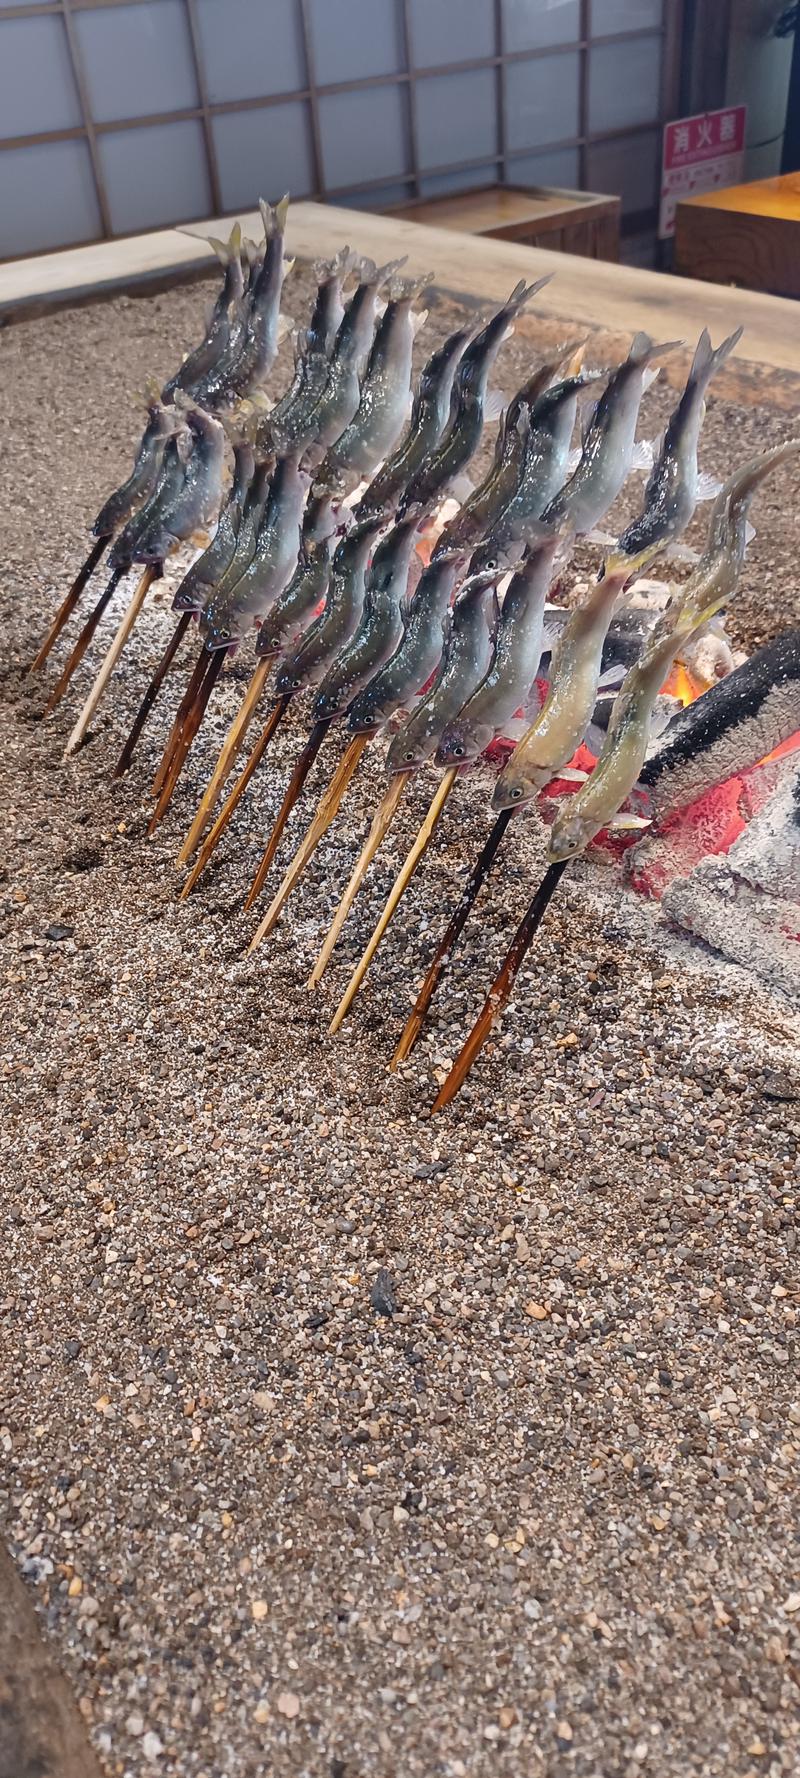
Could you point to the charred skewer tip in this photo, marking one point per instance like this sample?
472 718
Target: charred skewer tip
501 987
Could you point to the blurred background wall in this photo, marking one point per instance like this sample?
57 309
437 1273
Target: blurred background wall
122 115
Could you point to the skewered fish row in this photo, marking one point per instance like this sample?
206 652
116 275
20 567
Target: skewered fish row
312 555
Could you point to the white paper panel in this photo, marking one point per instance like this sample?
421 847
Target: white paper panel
262 153
138 59
155 175
47 197
542 100
249 49
355 38
364 132
456 116
37 88
445 31
536 24
624 84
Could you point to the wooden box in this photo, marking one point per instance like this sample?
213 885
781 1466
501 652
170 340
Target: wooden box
745 234
565 221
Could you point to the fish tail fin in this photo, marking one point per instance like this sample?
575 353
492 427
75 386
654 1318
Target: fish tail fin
707 360
337 267
385 274
745 479
643 350
572 356
273 217
221 249
406 289
522 293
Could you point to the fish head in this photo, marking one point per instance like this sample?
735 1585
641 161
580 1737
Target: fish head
462 743
570 834
217 627
517 786
410 748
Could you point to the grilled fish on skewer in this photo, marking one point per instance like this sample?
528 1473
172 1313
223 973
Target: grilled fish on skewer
516 658
244 364
373 643
231 612
341 393
461 440
430 415
385 393
314 346
466 658
372 622
115 512
170 524
480 513
227 319
670 495
419 651
209 567
170 481
608 446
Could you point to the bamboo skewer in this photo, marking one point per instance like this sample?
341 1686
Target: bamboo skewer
151 694
379 827
227 758
501 987
196 678
396 894
187 735
69 603
251 765
325 814
83 641
452 933
302 767
113 655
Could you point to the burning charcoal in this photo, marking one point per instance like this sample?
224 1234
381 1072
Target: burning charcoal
746 905
731 727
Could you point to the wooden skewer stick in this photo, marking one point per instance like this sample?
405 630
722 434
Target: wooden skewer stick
113 655
227 757
452 933
196 678
83 641
151 694
213 838
69 603
302 767
379 827
187 736
502 985
325 814
396 894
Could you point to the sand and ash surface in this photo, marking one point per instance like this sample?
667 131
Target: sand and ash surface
543 1518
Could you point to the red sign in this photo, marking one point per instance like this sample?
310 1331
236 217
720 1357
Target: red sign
700 154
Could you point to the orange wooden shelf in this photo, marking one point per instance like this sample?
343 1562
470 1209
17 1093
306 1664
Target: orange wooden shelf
744 234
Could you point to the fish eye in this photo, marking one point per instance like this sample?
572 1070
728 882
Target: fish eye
457 751
410 753
515 795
